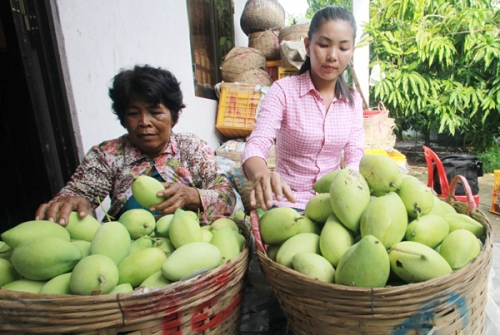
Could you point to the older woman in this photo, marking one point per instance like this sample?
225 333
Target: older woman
148 102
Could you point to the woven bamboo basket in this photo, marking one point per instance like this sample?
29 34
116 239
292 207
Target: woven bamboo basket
267 42
260 15
255 77
379 128
241 59
451 304
207 304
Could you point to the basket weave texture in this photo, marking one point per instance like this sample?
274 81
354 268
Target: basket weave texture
260 15
240 59
379 128
207 304
255 77
451 304
267 42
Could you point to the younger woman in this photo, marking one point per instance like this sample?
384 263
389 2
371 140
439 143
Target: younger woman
312 117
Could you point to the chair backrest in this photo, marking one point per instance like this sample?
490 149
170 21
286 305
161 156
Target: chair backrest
430 158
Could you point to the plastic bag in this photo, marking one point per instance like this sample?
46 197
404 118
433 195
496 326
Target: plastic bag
492 322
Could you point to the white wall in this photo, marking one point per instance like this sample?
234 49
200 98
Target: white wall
361 59
240 38
98 38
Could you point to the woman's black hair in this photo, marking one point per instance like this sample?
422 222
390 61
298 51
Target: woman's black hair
148 84
325 14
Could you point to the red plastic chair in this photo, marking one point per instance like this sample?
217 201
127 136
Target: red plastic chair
431 157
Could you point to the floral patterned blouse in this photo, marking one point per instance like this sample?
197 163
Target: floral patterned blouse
106 170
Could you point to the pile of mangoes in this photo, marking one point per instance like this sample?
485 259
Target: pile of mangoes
87 257
372 228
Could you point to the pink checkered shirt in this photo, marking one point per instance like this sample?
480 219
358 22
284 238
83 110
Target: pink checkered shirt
309 141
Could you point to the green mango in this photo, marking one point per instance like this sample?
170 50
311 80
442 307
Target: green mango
84 246
462 221
135 268
386 219
141 243
206 235
224 222
6 252
459 248
225 240
57 285
24 285
365 264
122 288
417 197
157 279
441 207
272 251
376 194
430 229
112 239
144 190
306 242
193 215
164 244
278 224
191 260
7 272
381 172
45 257
307 225
33 229
335 240
239 215
162 225
241 240
415 262
319 207
139 222
323 184
184 229
94 274
82 229
314 266
349 196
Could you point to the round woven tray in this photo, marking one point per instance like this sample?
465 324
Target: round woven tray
451 304
207 304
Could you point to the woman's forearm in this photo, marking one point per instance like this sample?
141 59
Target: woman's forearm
254 168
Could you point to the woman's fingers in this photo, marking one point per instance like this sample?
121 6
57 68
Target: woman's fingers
60 210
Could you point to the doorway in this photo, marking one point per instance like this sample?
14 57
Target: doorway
37 145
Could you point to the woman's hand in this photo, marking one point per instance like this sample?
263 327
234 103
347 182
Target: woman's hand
178 195
265 185
60 209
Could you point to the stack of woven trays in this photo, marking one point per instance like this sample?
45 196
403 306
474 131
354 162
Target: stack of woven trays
451 304
207 304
